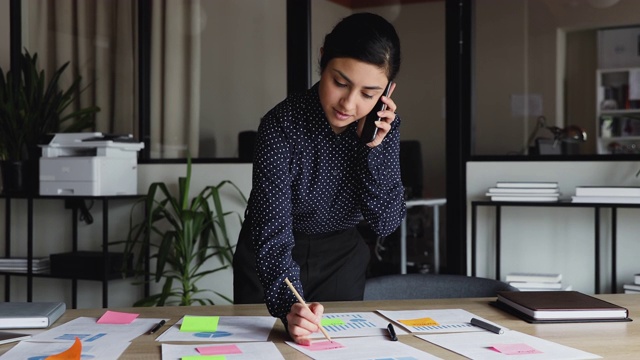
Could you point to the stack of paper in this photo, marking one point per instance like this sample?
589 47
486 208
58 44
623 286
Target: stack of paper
524 191
633 288
536 282
607 194
38 265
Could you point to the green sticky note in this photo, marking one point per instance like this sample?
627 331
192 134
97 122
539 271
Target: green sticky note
199 323
330 322
204 357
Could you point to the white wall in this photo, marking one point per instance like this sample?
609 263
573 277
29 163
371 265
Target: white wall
244 69
549 239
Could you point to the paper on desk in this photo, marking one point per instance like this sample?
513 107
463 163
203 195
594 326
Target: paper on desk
90 332
434 321
40 350
364 348
355 324
250 350
230 329
486 345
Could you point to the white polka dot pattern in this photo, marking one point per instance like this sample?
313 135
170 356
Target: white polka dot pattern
307 178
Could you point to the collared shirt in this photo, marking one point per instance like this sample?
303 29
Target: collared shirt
307 178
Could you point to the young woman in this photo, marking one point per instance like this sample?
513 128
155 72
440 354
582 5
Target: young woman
314 180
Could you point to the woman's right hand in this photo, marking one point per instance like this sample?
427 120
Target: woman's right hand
303 321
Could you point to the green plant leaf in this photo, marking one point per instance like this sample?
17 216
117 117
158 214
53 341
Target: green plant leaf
180 234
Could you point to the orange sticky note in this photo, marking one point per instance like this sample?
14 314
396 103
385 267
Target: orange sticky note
420 322
72 353
115 317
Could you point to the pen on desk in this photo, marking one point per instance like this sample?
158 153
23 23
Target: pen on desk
156 327
392 332
301 301
485 325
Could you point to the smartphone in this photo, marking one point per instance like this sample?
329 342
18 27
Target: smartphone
370 129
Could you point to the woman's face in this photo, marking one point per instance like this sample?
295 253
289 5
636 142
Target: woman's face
349 89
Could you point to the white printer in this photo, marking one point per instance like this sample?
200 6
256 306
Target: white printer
89 164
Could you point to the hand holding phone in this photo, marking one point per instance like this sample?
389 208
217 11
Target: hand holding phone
369 130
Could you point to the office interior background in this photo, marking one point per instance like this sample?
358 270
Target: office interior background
530 58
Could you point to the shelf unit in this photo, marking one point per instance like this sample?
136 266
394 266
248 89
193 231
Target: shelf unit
618 110
597 207
30 244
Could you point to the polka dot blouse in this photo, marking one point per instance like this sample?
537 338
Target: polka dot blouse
307 178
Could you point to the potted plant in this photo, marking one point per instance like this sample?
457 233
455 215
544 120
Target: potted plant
32 107
180 234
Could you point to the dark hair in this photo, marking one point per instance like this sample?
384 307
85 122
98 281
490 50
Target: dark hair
366 37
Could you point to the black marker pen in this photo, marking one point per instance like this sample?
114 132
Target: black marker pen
392 332
485 325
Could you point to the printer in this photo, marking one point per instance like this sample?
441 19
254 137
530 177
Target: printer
89 164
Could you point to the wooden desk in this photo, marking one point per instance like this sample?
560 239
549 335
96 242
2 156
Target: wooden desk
617 340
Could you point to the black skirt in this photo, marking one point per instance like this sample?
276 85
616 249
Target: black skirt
332 266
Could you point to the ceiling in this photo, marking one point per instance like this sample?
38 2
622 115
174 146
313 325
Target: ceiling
358 4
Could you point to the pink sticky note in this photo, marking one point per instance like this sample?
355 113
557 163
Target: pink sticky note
219 350
515 349
324 345
114 317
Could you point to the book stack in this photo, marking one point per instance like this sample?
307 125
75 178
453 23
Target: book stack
633 288
607 194
524 191
536 282
20 265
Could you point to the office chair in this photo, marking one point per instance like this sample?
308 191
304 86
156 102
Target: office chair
246 145
411 168
430 286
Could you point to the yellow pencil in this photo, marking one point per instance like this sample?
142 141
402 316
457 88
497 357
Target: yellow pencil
301 300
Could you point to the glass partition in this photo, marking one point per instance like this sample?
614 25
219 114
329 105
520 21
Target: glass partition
538 76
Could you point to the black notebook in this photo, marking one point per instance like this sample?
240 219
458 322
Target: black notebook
559 306
30 315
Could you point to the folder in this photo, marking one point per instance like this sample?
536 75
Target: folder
559 306
30 315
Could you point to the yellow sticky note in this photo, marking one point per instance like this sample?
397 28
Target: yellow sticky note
199 323
330 322
420 322
204 357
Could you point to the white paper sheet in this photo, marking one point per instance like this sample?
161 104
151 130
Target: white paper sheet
256 350
480 346
448 320
40 350
90 332
357 324
366 348
230 329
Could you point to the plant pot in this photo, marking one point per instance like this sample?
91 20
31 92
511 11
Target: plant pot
19 178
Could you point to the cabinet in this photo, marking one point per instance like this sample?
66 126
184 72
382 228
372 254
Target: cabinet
618 111
29 275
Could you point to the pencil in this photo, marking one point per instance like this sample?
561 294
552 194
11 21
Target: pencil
301 301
